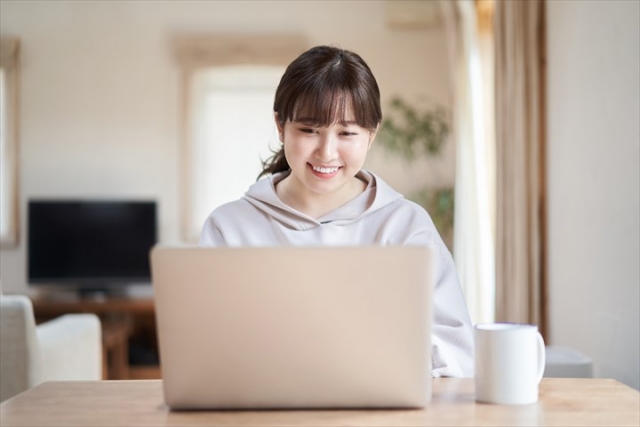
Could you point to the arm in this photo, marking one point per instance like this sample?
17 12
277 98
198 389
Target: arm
452 345
452 333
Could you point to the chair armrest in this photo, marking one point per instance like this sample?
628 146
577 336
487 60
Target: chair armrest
71 348
20 363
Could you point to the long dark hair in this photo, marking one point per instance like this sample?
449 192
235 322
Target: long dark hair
323 84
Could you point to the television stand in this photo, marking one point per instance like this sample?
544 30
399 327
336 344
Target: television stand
101 293
128 324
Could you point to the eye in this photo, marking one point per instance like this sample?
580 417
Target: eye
308 130
350 131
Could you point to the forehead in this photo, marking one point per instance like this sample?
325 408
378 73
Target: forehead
330 109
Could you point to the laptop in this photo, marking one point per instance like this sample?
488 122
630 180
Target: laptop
294 327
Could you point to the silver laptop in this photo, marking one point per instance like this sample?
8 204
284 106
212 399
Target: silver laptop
292 327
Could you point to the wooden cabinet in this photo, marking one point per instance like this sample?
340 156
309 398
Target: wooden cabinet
129 339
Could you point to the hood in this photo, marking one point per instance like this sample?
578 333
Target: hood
376 195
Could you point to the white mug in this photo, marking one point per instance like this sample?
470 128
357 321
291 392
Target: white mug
510 359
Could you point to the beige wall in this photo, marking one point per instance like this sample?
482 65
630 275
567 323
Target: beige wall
593 175
100 92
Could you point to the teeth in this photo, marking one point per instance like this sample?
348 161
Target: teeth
325 170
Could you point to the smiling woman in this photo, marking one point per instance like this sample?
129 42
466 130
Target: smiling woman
327 110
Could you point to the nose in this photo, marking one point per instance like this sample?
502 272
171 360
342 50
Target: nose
327 148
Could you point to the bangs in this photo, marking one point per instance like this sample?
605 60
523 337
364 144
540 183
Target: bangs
324 106
323 109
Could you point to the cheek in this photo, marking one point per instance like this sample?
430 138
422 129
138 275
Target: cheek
294 151
356 149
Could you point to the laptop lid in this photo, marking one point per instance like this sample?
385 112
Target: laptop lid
292 327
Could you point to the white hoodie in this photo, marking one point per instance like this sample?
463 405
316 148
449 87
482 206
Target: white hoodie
378 216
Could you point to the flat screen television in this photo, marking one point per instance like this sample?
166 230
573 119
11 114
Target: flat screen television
90 245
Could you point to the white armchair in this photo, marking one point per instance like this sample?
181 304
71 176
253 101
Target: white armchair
66 348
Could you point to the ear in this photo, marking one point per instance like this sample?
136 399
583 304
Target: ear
279 126
372 136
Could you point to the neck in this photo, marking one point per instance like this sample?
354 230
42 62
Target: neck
316 205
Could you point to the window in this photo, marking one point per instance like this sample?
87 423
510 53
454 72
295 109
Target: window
228 87
8 142
232 132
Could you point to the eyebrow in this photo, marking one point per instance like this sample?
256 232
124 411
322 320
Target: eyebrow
312 121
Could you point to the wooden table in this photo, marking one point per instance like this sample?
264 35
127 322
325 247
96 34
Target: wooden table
563 402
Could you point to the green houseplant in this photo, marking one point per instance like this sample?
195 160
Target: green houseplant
412 133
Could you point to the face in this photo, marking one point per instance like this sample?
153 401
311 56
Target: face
324 160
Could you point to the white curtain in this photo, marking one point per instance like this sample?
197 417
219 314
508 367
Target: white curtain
474 221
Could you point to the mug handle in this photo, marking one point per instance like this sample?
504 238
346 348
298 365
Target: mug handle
542 357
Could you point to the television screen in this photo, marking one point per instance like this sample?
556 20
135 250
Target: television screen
90 243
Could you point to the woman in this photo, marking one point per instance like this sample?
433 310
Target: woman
327 110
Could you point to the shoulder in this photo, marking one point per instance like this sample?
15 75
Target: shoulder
390 201
235 211
227 220
399 220
408 214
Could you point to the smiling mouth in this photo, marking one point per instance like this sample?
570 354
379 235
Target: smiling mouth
326 171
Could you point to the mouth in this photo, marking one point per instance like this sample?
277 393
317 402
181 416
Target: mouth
324 171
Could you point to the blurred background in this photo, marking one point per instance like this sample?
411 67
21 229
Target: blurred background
170 101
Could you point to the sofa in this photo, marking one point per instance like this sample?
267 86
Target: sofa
63 349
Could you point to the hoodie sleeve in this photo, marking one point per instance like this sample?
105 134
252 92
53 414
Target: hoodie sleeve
452 334
211 235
